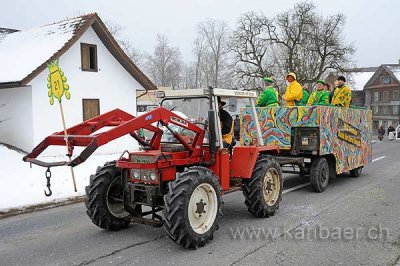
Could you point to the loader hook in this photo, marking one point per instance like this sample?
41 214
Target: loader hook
48 176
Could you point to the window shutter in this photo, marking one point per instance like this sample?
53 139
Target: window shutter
85 56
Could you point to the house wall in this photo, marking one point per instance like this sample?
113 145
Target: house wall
112 84
16 117
385 110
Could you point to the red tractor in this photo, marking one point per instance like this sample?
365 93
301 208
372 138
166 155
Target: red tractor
181 169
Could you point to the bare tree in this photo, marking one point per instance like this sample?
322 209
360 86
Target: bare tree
134 54
165 65
251 46
309 44
199 51
215 33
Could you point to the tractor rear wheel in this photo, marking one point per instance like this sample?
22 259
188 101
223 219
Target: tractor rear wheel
319 175
263 191
192 207
104 199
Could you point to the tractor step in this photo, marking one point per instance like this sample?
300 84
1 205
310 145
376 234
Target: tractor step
146 221
232 189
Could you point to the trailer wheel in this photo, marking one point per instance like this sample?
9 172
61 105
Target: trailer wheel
104 200
356 172
192 207
319 175
263 191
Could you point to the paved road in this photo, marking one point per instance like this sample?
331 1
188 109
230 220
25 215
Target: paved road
356 221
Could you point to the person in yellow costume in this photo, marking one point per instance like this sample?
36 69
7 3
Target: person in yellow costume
342 94
294 92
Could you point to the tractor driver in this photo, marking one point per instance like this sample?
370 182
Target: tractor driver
226 124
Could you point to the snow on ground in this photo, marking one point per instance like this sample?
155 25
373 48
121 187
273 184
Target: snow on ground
22 186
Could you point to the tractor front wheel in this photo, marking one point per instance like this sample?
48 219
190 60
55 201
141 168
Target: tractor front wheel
104 200
263 191
192 207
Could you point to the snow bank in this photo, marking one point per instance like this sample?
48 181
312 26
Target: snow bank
22 186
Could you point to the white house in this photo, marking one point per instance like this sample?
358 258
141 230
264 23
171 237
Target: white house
100 75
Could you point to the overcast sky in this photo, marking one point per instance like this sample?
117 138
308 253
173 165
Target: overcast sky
372 26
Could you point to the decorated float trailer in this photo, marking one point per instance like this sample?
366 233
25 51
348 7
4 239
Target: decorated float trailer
322 141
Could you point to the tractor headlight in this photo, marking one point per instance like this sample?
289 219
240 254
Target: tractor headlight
136 174
152 176
144 175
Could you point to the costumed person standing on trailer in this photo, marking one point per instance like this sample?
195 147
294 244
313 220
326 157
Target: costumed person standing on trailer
269 97
319 96
294 92
342 94
306 96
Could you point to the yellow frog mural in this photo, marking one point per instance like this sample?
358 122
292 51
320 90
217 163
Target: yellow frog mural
57 83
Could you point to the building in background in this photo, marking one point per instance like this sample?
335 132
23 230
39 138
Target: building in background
382 96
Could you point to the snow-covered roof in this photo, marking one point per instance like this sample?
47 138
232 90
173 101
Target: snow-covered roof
357 80
24 54
24 51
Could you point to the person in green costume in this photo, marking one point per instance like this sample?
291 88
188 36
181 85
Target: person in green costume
305 97
269 97
319 96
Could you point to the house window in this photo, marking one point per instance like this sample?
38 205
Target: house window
375 124
395 95
385 79
385 95
89 57
395 109
91 108
376 109
376 96
384 110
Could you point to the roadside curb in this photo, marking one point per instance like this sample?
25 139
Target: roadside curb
41 207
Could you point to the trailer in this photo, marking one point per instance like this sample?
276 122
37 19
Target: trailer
319 141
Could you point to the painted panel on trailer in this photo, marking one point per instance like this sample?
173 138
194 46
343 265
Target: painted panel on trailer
346 133
276 123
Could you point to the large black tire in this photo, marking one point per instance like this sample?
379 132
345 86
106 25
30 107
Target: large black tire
104 200
263 191
319 175
187 220
356 172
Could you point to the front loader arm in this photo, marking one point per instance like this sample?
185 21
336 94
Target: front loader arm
121 124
